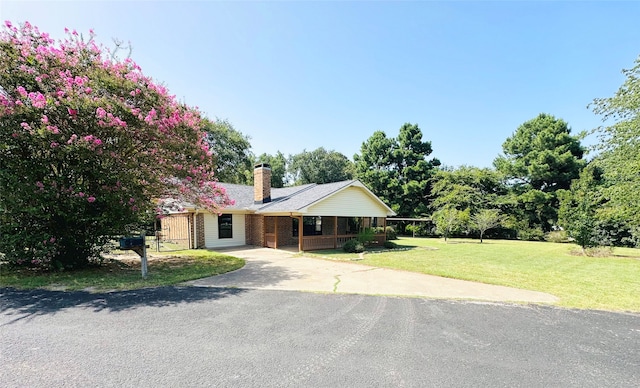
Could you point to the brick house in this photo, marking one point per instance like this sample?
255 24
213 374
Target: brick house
313 216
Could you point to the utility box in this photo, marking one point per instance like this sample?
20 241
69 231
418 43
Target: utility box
131 242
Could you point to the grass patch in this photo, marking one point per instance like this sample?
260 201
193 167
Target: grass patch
605 283
123 272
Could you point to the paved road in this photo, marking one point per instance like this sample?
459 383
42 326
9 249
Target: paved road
204 337
270 269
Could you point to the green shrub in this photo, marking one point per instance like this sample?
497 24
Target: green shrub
390 245
557 236
531 234
598 251
353 246
366 236
389 231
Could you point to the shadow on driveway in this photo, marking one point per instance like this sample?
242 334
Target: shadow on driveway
26 304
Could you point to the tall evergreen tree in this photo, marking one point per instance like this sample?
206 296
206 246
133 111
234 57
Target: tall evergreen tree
397 169
540 158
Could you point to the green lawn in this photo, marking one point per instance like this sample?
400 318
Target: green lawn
607 283
124 274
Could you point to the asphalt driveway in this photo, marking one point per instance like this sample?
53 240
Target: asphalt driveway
270 269
216 337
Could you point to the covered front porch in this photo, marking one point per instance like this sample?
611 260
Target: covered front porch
310 233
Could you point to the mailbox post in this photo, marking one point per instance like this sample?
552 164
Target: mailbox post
139 246
143 258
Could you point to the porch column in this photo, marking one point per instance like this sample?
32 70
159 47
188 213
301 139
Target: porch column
384 228
300 242
335 232
275 243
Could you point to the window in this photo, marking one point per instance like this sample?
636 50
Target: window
311 226
294 227
225 226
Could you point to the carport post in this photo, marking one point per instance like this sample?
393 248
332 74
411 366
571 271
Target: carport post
300 235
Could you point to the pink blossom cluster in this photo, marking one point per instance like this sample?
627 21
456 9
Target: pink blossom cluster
132 124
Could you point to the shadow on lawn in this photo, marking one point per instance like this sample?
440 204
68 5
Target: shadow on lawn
26 304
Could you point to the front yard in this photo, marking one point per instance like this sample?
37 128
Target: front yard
122 272
607 283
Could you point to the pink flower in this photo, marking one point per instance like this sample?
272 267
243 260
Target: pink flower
72 112
40 185
81 194
22 91
97 142
44 119
38 100
101 113
91 199
54 144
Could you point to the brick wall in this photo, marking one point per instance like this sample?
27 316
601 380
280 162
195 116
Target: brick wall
285 231
199 241
254 229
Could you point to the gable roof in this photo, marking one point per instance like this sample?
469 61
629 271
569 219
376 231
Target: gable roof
293 199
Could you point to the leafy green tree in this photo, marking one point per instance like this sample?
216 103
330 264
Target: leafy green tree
397 169
620 146
484 220
468 188
579 206
278 164
89 147
449 220
320 166
540 158
231 151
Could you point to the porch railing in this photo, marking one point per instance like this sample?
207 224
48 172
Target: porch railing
312 243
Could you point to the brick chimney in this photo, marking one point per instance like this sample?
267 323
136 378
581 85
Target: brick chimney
261 183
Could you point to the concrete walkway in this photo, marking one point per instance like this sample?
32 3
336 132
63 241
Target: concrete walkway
270 269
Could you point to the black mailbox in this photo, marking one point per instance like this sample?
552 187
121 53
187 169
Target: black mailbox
131 242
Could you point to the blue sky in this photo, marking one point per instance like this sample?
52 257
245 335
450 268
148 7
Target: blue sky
301 75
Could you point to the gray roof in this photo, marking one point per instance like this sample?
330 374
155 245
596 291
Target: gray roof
243 195
286 199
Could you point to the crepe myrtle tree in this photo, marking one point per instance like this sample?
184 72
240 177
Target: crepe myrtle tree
88 146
